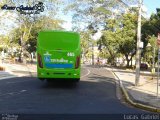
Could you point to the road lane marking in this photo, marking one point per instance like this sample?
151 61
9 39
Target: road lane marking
86 74
23 90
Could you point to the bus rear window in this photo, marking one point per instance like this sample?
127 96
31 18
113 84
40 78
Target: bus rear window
58 40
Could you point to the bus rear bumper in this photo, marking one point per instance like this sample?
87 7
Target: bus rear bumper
47 73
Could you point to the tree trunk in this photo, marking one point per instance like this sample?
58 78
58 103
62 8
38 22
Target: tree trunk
132 58
131 61
128 60
21 51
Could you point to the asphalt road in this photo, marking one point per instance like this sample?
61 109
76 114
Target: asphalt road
94 94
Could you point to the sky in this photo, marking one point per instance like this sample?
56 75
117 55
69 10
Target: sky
151 6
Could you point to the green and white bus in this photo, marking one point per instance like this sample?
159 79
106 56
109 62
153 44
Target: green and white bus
58 55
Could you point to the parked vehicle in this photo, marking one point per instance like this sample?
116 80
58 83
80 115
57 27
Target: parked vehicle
144 66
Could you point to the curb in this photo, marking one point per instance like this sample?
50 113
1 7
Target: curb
130 101
8 77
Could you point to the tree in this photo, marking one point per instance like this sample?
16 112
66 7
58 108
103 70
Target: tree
85 44
127 40
110 42
94 12
119 37
151 52
150 29
4 40
105 14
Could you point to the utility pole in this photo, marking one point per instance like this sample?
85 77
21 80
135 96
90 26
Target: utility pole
138 53
158 42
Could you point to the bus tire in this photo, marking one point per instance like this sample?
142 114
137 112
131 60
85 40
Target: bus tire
49 80
42 79
77 79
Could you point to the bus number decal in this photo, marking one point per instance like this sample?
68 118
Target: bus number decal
71 54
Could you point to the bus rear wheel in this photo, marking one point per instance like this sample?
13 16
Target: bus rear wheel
42 79
77 79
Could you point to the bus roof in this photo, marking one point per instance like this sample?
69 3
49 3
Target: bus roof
44 31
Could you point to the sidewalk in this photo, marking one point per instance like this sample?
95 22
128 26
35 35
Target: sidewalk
19 70
144 95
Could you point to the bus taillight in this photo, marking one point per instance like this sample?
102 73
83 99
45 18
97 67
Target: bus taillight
77 62
40 61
